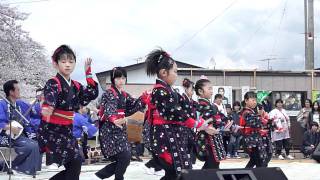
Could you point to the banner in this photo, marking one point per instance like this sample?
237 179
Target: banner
315 95
225 91
261 95
244 90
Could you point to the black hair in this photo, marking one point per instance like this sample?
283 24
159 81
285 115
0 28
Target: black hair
63 50
247 96
228 106
316 102
221 88
199 85
186 83
156 60
236 103
217 96
9 86
278 101
304 103
117 72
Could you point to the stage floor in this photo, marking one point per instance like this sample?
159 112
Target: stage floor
294 170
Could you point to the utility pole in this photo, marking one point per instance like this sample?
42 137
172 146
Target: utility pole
309 34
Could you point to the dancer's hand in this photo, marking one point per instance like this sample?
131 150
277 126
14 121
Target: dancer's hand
211 130
87 65
120 122
47 111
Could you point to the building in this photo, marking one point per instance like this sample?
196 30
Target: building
137 81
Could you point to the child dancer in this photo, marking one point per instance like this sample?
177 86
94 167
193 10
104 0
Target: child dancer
191 109
169 119
251 126
117 106
209 147
62 97
266 133
152 167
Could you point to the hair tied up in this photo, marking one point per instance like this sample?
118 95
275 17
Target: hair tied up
163 55
113 71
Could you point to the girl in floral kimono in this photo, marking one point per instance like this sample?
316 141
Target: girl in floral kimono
191 109
251 128
169 120
209 146
117 105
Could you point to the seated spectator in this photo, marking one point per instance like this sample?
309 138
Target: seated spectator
28 159
82 130
311 139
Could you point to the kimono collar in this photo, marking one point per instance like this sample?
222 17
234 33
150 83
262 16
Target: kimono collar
67 81
207 101
14 104
186 96
248 109
160 81
116 89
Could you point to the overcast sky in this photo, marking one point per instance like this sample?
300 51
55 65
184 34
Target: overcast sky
115 33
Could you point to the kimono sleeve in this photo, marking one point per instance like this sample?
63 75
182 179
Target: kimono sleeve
88 93
3 115
133 105
51 92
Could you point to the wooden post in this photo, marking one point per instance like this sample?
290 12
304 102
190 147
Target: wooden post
224 77
312 81
254 78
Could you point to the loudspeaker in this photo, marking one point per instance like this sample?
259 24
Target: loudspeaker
316 154
234 174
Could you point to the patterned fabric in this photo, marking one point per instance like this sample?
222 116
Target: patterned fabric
169 103
191 107
205 142
57 140
267 137
146 135
171 138
113 139
4 139
253 138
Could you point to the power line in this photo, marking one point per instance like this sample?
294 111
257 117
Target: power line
255 32
26 2
279 27
205 26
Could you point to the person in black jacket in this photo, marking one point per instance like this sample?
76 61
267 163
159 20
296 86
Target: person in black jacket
311 139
